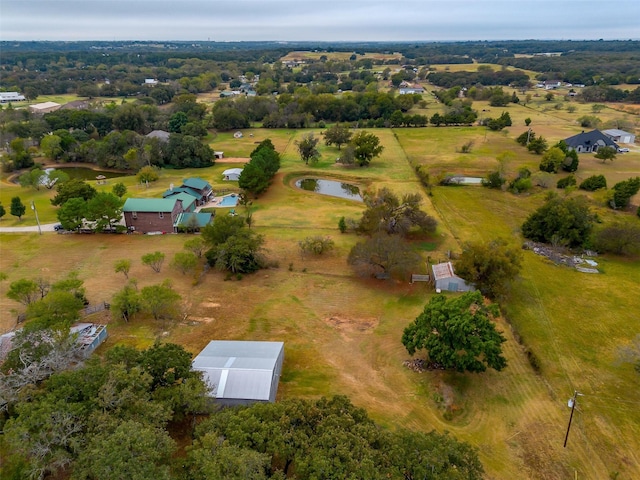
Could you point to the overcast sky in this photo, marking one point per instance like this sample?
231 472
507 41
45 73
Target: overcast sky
319 20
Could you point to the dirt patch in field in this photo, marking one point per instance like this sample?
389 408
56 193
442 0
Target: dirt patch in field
206 311
210 304
233 160
352 324
541 459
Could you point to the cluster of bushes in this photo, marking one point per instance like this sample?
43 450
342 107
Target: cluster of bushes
533 143
497 124
569 222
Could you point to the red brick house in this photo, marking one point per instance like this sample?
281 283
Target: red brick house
146 215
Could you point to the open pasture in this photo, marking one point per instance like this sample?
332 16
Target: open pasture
342 333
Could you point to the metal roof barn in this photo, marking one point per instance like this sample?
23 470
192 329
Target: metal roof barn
241 372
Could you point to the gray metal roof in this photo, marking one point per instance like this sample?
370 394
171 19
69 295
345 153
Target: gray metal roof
615 132
240 369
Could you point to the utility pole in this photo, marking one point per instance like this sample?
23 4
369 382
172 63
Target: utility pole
33 207
572 404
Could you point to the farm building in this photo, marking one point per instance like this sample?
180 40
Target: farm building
159 134
89 337
232 174
444 279
218 155
411 90
241 372
46 107
6 97
620 136
589 142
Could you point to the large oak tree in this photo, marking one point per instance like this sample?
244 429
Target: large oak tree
457 334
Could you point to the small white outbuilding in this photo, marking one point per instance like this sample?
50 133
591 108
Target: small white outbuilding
444 279
232 174
241 372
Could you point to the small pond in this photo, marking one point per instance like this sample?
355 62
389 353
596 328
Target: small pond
83 173
330 187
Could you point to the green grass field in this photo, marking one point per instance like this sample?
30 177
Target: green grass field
342 334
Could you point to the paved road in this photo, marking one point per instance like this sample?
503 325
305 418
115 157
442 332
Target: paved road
48 227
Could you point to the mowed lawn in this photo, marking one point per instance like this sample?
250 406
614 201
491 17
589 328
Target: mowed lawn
574 324
342 334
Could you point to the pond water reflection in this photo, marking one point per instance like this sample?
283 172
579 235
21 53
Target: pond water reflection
330 187
83 173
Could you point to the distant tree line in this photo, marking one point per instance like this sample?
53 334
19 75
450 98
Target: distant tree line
303 108
111 136
619 65
483 76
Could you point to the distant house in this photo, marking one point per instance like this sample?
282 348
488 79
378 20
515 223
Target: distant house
6 97
146 215
150 82
589 142
232 174
444 279
411 90
552 84
241 373
159 134
238 134
620 136
46 107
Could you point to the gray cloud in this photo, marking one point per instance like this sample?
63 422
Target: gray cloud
354 20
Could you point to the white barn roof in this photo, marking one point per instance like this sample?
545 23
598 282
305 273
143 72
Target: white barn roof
241 370
442 271
44 105
231 171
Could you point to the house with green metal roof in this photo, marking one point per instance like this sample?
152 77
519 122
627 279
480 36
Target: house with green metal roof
146 215
199 185
194 193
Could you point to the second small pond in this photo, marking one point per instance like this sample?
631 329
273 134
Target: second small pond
330 187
